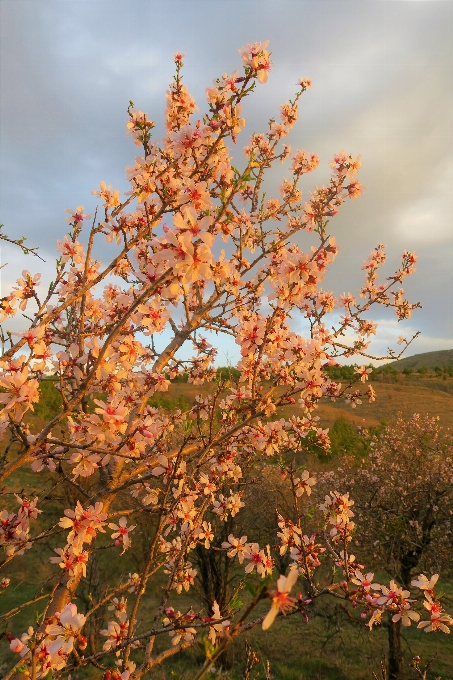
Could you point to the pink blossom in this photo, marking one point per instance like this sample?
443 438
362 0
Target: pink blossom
281 601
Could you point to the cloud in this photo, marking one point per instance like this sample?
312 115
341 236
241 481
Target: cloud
429 218
381 88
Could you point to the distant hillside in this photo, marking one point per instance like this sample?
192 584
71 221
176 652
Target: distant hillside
443 358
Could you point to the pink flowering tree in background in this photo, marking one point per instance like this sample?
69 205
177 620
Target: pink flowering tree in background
403 501
200 249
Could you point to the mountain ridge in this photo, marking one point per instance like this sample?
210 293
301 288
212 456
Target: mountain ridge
442 358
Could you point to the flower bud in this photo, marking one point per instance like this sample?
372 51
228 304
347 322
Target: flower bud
16 645
82 642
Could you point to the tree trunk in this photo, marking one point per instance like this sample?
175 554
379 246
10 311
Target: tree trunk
395 657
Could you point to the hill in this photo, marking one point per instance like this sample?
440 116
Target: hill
442 358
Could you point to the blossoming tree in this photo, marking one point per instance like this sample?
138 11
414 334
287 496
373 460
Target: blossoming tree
110 336
403 501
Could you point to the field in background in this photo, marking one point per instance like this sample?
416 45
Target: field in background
330 647
408 394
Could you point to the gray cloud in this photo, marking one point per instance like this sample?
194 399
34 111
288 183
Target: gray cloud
381 76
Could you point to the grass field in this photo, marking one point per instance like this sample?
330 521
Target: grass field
330 646
411 394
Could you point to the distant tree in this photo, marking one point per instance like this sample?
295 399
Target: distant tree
403 500
50 402
345 438
181 378
228 373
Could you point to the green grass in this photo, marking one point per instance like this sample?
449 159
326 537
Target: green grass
328 647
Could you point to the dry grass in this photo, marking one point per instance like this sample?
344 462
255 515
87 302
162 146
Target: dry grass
413 394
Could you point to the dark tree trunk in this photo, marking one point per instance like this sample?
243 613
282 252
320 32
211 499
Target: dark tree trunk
395 658
213 573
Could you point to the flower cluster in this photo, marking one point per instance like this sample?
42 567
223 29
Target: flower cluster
47 650
438 618
337 512
257 557
116 631
84 525
15 526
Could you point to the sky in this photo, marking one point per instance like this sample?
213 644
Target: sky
382 88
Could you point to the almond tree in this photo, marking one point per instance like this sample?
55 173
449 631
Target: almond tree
110 336
403 498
